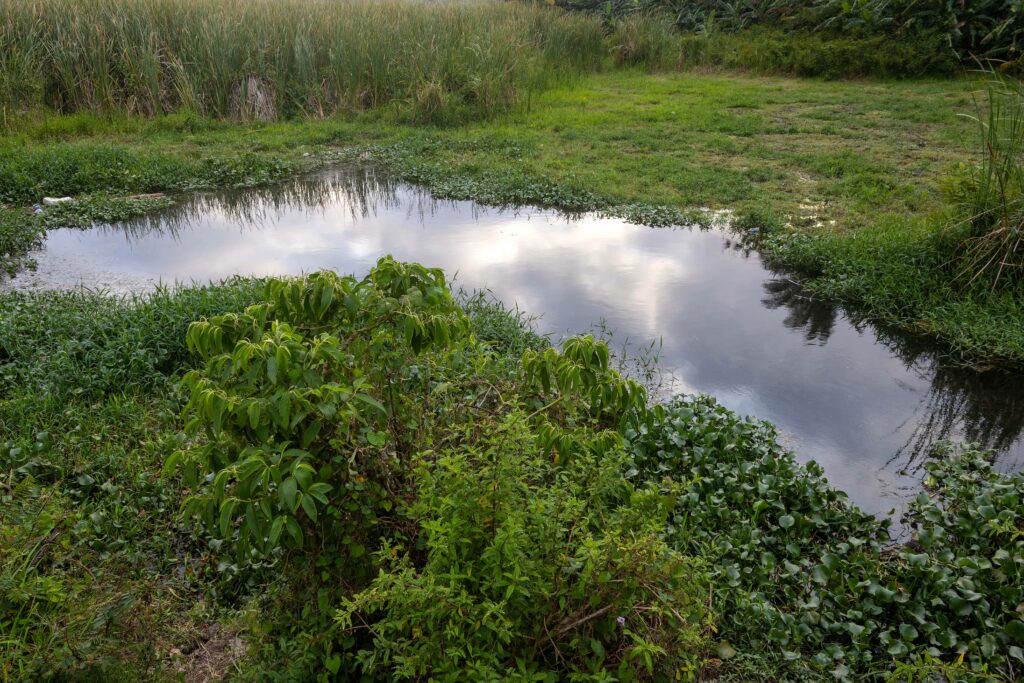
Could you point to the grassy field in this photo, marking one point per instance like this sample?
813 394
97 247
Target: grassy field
681 140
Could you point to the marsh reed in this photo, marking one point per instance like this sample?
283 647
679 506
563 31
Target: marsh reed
275 59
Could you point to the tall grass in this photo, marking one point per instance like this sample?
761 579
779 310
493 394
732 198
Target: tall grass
991 194
283 58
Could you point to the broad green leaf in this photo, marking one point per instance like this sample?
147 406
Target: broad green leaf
275 530
287 492
308 506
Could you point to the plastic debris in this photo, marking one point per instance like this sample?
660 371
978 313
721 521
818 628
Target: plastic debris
53 201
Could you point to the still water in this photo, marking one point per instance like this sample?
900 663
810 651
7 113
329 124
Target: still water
864 404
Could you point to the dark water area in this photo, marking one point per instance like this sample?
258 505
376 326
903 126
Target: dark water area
865 404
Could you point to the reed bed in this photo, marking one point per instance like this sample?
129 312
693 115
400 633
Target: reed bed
273 59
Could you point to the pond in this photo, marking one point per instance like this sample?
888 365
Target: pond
864 403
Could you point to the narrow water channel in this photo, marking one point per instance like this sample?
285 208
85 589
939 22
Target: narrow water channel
865 404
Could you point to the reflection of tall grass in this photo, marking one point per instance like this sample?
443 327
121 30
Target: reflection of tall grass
986 408
991 195
287 57
361 189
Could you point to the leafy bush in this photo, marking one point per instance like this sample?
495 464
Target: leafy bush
292 400
532 569
313 418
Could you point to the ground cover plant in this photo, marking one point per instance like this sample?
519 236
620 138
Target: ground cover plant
342 476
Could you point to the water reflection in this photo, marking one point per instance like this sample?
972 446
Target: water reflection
815 318
866 404
986 408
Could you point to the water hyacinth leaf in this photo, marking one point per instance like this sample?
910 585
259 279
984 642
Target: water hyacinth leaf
908 632
960 606
897 648
1015 629
786 521
917 559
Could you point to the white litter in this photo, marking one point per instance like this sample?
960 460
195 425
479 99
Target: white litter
53 201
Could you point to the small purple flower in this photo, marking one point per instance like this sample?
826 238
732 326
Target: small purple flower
621 620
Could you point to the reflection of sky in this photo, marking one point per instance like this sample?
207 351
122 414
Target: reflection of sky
848 403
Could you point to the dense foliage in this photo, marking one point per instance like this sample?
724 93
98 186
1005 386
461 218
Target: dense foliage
988 29
799 574
337 425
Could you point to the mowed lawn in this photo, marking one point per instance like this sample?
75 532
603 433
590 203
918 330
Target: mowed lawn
815 151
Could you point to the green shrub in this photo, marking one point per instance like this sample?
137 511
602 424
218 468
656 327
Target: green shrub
533 571
292 401
985 29
312 420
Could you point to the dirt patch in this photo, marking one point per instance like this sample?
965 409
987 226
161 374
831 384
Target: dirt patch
210 656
